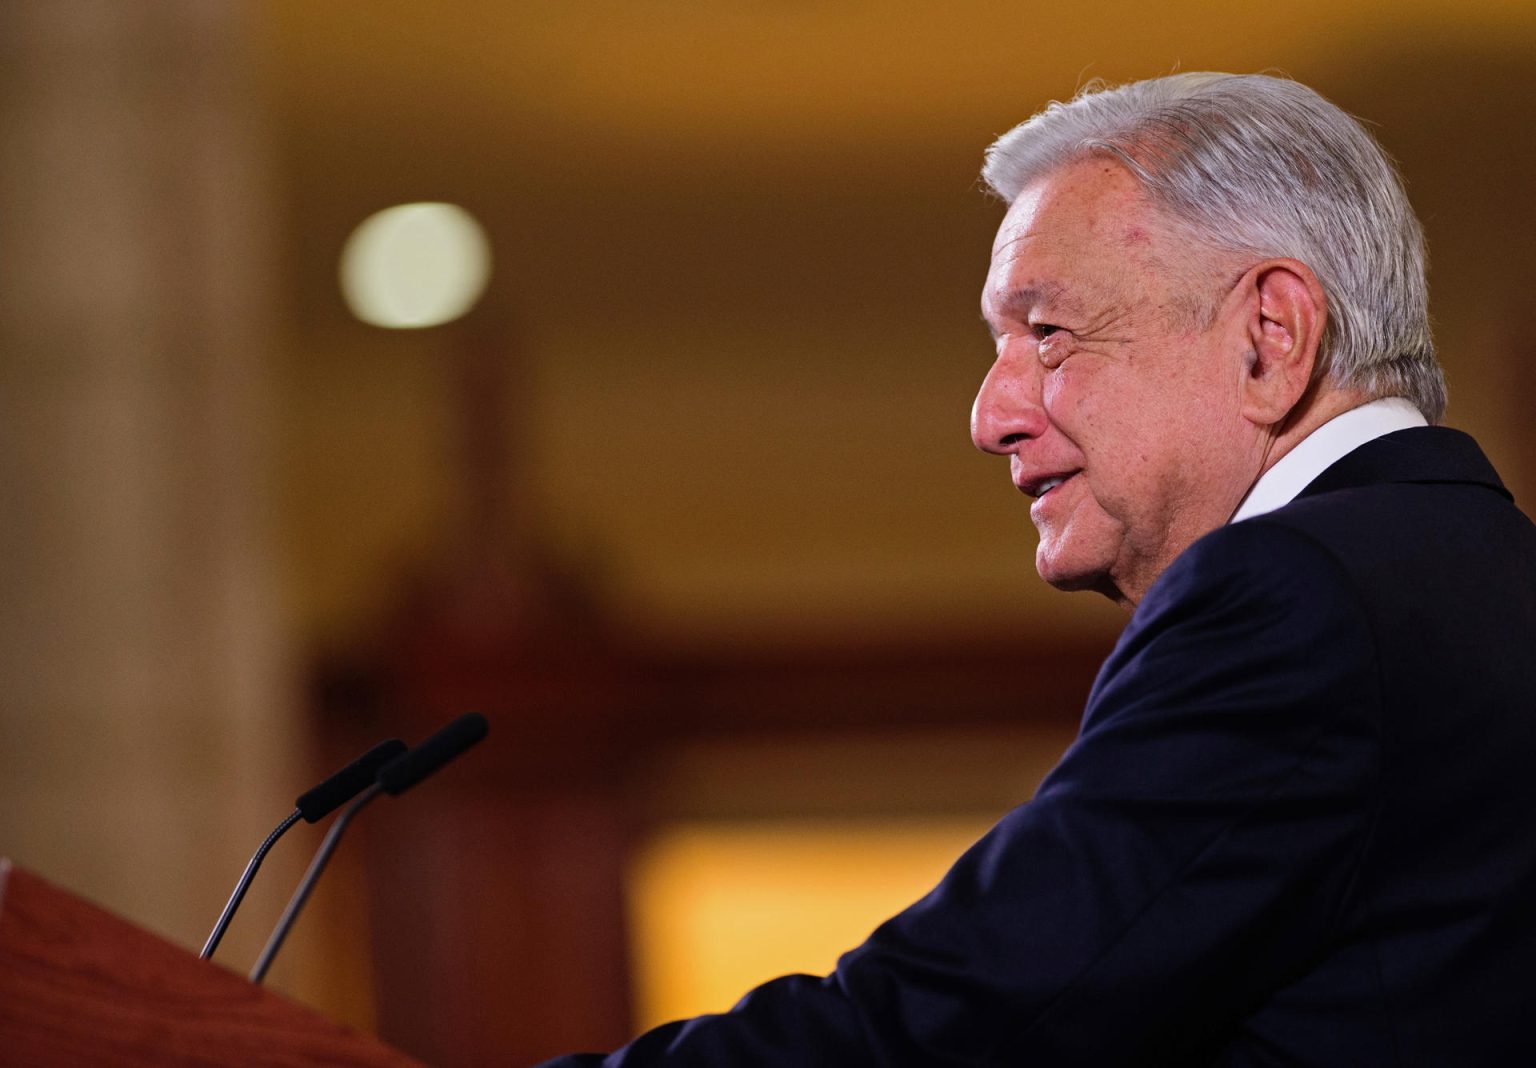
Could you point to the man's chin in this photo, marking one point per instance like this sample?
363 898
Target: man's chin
1063 575
1075 576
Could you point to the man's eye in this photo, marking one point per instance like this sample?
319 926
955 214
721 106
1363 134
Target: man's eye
1052 342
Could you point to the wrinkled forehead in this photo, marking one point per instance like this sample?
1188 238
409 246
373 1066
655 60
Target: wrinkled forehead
1095 199
1085 239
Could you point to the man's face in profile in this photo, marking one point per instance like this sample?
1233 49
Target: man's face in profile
1116 389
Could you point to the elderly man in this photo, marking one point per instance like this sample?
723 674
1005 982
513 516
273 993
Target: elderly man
1296 827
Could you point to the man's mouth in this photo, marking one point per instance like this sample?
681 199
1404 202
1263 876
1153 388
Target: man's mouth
1041 486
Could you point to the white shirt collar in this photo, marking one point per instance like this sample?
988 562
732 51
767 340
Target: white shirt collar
1318 451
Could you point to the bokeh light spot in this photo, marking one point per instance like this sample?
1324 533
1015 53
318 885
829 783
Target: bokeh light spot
415 265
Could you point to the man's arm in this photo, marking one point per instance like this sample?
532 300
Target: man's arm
1189 855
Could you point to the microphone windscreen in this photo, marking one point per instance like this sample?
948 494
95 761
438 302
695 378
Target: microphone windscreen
348 782
404 772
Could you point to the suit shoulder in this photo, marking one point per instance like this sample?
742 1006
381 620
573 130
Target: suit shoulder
1250 601
1448 535
1258 561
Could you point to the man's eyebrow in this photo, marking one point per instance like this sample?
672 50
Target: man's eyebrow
1023 298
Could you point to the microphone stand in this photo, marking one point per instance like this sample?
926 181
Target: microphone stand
245 884
316 866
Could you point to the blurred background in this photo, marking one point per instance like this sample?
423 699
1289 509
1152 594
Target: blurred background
684 501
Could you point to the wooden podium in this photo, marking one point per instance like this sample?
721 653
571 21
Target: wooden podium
79 986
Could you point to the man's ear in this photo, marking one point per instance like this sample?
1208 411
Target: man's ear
1285 328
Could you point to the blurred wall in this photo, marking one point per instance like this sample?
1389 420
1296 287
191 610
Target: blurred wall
147 714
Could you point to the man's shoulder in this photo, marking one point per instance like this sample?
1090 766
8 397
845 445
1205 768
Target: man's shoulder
1255 593
1269 559
1415 484
1424 499
1421 508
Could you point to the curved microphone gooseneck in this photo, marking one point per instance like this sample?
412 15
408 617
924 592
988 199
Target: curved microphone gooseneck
312 805
394 778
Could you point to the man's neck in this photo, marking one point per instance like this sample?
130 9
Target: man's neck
1320 404
1320 450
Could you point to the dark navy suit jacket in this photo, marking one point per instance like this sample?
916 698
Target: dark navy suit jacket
1298 826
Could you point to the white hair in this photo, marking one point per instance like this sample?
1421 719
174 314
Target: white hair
1263 165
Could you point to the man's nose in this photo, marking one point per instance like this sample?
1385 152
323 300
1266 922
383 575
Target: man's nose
1008 408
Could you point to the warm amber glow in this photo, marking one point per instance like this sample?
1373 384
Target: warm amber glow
718 908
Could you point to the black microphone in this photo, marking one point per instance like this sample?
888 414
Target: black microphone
405 771
394 778
348 782
311 806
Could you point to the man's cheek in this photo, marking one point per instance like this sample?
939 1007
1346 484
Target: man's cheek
1069 403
